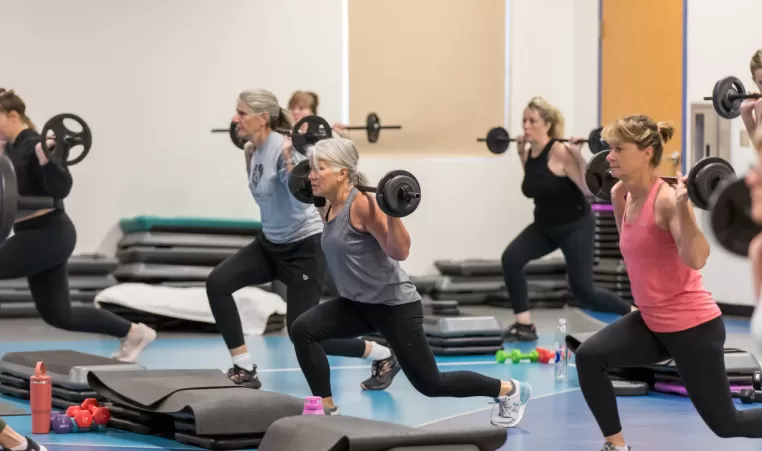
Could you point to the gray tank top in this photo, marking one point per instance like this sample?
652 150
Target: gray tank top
359 266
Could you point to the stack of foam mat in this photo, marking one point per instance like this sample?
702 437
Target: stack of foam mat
67 369
606 243
464 335
470 282
740 366
89 274
343 433
196 407
546 283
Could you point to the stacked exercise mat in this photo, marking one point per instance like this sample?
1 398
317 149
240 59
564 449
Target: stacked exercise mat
88 275
204 408
478 335
609 271
475 282
178 253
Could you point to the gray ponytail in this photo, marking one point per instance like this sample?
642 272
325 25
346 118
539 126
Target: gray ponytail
339 153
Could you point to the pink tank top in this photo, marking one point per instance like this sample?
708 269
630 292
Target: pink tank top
670 295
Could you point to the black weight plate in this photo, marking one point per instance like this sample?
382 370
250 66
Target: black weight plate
723 89
730 217
498 140
66 139
9 197
373 124
389 193
704 177
317 129
598 176
237 140
299 183
595 142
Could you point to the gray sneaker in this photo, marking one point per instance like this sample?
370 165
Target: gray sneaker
334 411
610 447
134 343
510 409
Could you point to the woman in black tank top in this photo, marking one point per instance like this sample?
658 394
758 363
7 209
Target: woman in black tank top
554 179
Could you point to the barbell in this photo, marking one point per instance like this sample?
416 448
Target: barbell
12 206
727 96
398 193
498 139
703 180
66 139
372 127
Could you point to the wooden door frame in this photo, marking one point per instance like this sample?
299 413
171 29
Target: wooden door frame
685 77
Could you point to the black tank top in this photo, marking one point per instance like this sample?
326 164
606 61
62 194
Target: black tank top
557 200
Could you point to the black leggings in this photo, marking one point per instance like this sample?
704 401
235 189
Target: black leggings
39 251
698 354
402 326
301 268
576 242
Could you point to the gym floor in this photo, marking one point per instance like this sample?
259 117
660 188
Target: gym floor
556 418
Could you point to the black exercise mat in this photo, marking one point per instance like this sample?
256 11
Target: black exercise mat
59 392
60 361
89 264
23 393
218 406
227 442
343 433
9 410
201 256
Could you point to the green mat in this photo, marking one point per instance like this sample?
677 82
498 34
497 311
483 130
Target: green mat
190 225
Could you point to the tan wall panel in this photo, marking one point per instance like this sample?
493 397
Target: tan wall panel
435 67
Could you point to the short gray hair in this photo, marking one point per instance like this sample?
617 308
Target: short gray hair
263 101
339 153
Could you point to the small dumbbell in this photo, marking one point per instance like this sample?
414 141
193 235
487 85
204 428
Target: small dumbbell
60 423
545 355
749 396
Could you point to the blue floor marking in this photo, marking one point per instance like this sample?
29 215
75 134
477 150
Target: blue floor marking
556 417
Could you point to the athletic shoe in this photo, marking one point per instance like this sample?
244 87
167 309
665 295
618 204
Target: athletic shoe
333 411
520 332
244 377
610 447
510 409
133 344
382 374
31 445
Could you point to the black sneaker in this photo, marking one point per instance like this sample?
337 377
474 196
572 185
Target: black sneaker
244 377
382 374
31 445
520 332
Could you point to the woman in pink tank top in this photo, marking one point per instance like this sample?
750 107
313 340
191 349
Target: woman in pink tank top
663 250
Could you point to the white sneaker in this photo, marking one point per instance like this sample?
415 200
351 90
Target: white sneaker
510 409
133 344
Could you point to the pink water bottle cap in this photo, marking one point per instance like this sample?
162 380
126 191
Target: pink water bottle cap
313 405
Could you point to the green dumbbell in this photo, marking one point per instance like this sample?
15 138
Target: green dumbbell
516 356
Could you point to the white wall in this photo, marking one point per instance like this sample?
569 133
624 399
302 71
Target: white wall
714 52
153 78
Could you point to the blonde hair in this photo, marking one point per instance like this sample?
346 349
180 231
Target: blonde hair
305 99
642 131
339 153
10 101
262 101
756 62
550 114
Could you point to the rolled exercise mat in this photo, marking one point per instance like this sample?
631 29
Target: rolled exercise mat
344 433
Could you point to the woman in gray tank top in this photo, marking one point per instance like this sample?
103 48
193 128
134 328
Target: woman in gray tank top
287 250
363 248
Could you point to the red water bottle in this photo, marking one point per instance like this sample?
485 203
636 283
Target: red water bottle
40 399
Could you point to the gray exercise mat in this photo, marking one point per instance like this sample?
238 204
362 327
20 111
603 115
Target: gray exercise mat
175 255
88 264
184 239
217 405
344 433
88 282
9 410
144 271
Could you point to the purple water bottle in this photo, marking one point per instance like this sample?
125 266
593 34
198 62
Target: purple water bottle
313 405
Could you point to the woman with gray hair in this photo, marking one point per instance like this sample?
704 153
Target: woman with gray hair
288 249
363 248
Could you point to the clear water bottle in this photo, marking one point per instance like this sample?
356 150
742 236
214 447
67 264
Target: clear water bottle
562 360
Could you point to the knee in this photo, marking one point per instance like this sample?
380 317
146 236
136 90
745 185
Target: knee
511 262
589 357
300 331
216 283
59 320
723 428
584 290
428 388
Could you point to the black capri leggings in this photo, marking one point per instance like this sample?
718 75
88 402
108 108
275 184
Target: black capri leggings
39 250
576 242
299 265
402 326
698 354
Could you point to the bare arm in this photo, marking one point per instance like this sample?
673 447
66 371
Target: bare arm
390 232
248 151
678 217
755 254
619 202
571 161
